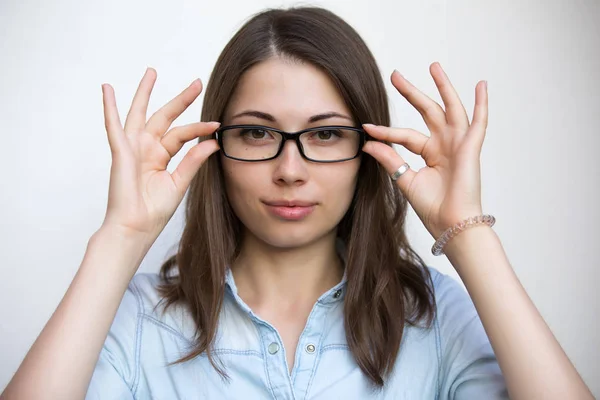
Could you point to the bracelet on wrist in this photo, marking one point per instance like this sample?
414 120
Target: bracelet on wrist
449 233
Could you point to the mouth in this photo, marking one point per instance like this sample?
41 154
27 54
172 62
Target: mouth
289 203
291 210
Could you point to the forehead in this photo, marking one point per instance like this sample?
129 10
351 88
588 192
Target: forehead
290 91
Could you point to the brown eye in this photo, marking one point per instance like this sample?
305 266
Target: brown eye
258 134
324 135
255 133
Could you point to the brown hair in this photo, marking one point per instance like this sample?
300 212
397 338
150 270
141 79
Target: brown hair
388 283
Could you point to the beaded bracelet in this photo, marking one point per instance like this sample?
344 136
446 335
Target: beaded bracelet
456 229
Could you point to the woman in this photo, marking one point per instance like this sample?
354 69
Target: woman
294 278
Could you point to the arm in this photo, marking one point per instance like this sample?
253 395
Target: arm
532 361
142 198
61 361
447 191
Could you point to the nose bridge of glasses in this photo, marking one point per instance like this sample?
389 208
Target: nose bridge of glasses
294 138
293 135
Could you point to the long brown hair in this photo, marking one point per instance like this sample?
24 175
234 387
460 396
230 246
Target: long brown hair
388 283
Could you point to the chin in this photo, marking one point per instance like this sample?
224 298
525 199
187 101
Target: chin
289 235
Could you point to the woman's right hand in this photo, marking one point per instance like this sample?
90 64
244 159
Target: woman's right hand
143 195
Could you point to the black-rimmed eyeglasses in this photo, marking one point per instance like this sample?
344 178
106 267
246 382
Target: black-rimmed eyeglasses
324 144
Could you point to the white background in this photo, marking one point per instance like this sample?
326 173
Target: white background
540 161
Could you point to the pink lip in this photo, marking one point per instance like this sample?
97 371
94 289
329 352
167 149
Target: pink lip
291 213
290 210
289 203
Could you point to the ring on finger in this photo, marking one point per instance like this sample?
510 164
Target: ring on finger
400 171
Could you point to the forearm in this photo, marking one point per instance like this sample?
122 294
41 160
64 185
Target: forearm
532 361
61 361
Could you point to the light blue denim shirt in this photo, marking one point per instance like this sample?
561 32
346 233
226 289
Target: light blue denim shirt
452 360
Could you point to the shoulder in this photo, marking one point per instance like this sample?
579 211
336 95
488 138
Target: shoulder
136 302
176 319
458 326
439 278
117 370
144 287
449 291
142 303
467 362
455 309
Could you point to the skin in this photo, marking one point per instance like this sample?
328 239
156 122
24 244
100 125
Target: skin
448 191
143 196
284 266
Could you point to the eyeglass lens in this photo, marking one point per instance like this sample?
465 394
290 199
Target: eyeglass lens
260 143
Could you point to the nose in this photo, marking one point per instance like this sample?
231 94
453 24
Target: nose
290 166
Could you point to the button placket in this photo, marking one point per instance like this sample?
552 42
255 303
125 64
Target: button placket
276 367
307 356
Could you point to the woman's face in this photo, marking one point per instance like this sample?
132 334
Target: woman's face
291 93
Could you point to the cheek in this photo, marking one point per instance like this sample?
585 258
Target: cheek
339 184
242 182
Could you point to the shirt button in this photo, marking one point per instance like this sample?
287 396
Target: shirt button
310 348
273 348
337 294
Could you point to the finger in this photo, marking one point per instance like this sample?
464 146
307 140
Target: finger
391 161
136 118
189 165
174 140
432 112
413 140
456 114
161 120
480 114
112 122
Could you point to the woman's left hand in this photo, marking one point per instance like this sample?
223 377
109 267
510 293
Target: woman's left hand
448 189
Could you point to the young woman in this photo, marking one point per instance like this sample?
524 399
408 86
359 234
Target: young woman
294 278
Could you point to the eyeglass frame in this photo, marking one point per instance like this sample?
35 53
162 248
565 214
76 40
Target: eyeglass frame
295 136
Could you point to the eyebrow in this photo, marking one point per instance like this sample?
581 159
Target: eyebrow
269 117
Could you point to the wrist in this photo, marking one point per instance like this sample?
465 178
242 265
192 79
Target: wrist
471 240
458 228
119 249
119 232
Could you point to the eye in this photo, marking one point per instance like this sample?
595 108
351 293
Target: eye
327 134
255 133
324 135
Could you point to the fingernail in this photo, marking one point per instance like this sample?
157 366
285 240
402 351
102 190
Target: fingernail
368 125
486 84
398 72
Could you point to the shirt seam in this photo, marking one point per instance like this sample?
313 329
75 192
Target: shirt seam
331 347
166 327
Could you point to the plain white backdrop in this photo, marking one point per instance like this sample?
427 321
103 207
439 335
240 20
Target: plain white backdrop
540 161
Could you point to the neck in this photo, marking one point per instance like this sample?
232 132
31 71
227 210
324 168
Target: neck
269 277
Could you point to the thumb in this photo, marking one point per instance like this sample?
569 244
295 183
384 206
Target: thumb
190 164
387 156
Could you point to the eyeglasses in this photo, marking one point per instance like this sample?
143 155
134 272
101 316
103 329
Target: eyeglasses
324 144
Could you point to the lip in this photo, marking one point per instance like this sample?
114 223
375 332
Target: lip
291 210
289 203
